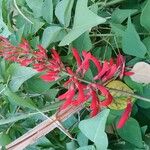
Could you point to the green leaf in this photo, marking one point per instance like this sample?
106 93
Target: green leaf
119 15
37 85
47 11
84 20
134 85
17 117
131 133
52 34
131 42
118 29
71 145
145 19
36 7
90 147
82 139
146 41
83 42
4 31
19 75
16 37
14 98
146 94
63 11
4 139
97 129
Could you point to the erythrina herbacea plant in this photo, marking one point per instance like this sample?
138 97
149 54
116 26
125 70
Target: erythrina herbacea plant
79 90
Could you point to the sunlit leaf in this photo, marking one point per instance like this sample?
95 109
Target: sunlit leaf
97 129
131 43
119 100
84 20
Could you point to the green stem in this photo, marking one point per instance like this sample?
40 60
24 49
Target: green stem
110 3
111 34
130 94
115 90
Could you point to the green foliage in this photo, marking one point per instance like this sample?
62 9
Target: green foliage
131 132
145 20
131 42
47 10
97 129
4 139
84 20
104 28
63 11
18 75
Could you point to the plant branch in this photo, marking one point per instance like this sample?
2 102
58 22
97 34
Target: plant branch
130 94
116 90
43 128
110 3
111 34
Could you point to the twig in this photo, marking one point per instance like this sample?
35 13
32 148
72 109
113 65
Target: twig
43 128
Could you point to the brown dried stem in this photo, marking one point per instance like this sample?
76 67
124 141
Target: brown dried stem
43 128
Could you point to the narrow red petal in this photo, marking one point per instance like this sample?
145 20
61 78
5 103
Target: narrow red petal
129 73
107 101
110 74
125 115
105 68
56 56
97 63
77 56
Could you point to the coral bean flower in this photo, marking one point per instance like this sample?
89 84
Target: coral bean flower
125 115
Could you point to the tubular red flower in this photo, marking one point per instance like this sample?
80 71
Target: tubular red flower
50 76
56 56
97 63
104 69
125 115
85 63
77 56
110 73
95 107
106 93
24 46
68 96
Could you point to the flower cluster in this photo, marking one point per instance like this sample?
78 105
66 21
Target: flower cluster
78 90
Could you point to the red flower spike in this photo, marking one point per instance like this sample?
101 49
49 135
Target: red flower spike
77 56
125 115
